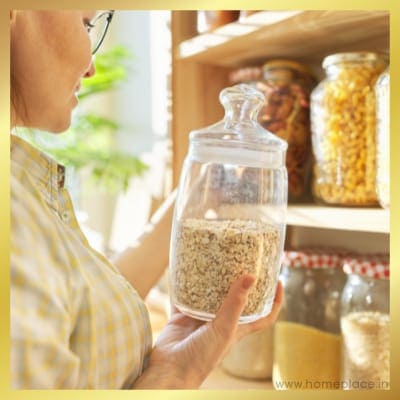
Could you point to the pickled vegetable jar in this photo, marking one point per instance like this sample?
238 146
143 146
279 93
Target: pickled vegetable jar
307 333
230 211
382 90
343 122
365 323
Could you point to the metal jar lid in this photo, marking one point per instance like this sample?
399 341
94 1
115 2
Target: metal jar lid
290 64
359 57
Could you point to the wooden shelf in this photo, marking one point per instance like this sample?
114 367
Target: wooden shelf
353 219
201 67
300 34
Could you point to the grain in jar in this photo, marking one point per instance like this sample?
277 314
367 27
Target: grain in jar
309 358
365 323
307 333
211 254
343 122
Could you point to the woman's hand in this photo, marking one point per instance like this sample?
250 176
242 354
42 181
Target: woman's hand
187 350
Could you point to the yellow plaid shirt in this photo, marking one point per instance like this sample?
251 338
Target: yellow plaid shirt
75 320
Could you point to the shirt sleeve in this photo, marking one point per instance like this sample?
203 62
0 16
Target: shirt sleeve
40 321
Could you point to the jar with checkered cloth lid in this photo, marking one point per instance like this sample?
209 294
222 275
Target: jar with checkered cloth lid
365 322
307 333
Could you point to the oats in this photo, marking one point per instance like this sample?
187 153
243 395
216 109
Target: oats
211 254
366 346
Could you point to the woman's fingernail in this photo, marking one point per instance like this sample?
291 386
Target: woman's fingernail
248 282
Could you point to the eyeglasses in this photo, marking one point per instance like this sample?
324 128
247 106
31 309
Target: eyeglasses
98 28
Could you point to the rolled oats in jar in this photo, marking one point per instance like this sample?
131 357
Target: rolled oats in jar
365 323
211 254
343 124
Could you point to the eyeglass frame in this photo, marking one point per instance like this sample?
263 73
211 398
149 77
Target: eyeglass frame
92 25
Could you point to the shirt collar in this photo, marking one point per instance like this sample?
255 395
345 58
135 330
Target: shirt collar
48 174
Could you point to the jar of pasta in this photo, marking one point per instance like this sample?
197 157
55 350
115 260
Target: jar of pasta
382 90
343 126
365 323
287 86
307 333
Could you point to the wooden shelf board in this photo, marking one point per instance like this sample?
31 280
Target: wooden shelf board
302 34
345 218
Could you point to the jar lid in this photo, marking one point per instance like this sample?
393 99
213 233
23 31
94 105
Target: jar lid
239 138
314 258
245 74
282 63
373 266
361 56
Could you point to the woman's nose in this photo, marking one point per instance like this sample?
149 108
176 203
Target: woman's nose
91 70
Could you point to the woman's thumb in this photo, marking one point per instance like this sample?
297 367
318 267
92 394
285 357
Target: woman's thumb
227 317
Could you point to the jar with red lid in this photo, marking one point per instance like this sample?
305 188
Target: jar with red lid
365 322
307 333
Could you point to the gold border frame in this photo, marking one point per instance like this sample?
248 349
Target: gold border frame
6 5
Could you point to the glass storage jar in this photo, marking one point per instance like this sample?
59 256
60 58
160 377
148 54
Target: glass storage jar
251 357
307 333
382 90
365 323
208 20
286 85
344 130
230 211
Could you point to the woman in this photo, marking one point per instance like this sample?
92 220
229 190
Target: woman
76 321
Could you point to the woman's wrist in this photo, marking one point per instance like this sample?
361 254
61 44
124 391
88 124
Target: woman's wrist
166 377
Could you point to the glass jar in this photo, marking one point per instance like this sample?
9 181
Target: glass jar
307 333
365 323
287 86
230 211
382 90
247 13
344 129
208 20
251 357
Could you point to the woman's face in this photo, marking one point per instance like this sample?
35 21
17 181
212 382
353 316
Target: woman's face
50 54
